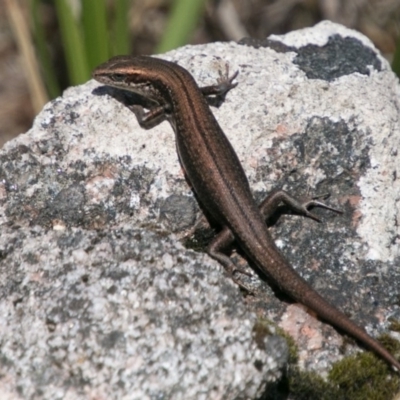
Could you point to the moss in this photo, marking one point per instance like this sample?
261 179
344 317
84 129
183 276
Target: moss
394 325
364 376
309 385
390 344
264 327
360 376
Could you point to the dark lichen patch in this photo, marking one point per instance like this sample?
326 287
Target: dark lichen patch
326 136
276 45
200 239
336 149
178 212
67 205
113 338
51 195
70 240
339 57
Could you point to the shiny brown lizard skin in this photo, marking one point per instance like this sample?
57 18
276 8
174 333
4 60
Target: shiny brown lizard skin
218 178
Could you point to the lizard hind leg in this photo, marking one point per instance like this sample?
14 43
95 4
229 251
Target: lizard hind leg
271 203
216 250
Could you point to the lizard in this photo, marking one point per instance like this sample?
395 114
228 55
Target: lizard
218 178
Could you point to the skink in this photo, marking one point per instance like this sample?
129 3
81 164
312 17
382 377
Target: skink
217 176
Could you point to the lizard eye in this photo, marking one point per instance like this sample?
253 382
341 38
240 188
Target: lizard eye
118 77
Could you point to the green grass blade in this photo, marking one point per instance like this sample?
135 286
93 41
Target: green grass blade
48 74
73 42
121 40
94 19
396 59
182 22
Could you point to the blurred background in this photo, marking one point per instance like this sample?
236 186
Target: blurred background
46 46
